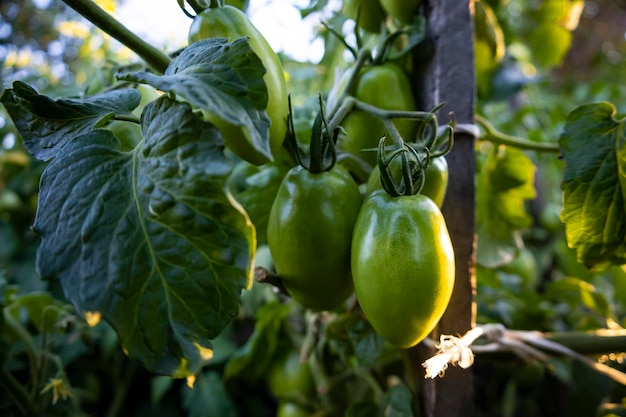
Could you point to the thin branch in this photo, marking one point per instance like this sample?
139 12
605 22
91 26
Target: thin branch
92 12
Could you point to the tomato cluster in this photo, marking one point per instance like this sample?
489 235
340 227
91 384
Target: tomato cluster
330 238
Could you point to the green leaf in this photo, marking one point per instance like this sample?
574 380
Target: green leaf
504 184
398 402
350 335
550 36
253 359
46 125
148 239
489 45
593 144
208 397
255 189
222 78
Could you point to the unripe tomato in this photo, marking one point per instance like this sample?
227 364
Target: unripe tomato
230 22
402 266
367 13
523 265
385 86
403 10
309 233
290 409
435 184
289 379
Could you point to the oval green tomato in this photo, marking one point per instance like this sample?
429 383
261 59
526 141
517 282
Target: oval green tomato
385 86
435 184
368 14
403 10
290 409
230 22
289 379
309 233
402 266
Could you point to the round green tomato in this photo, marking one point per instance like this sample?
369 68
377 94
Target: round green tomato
230 22
403 10
289 379
309 233
367 13
435 184
402 266
385 86
290 409
524 265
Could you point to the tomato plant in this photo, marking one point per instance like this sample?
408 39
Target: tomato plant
164 251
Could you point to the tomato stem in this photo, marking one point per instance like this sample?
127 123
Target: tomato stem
17 393
92 12
493 135
263 276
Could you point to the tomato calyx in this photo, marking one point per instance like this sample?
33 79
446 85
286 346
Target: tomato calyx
415 156
414 166
321 154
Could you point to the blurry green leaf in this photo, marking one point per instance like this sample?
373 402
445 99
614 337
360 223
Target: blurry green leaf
489 46
593 145
505 182
222 78
148 238
252 360
46 125
550 38
549 43
350 335
208 397
398 402
42 309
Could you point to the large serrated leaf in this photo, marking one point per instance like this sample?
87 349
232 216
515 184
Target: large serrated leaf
222 78
47 125
504 184
593 144
148 239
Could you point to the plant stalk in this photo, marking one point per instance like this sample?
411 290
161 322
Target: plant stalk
154 57
493 135
17 392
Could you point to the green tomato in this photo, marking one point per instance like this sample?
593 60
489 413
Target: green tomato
309 233
524 265
402 266
289 379
403 10
384 86
435 184
367 13
290 409
230 22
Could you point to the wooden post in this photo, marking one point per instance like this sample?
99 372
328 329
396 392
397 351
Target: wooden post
447 75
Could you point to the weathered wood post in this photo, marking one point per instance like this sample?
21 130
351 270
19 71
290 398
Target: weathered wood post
447 75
